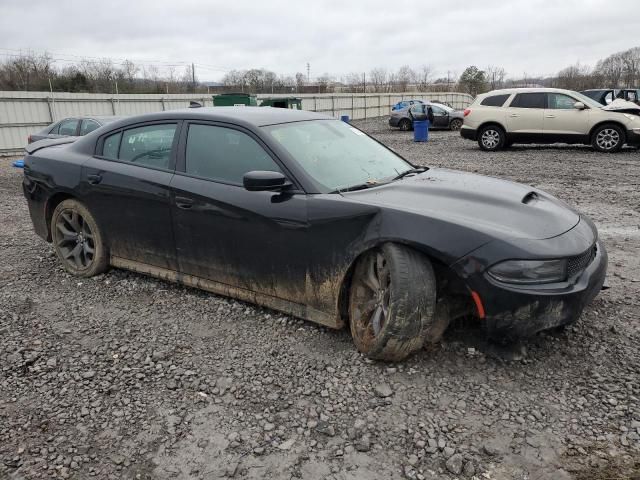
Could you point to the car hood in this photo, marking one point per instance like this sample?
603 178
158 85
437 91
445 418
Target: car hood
623 106
481 203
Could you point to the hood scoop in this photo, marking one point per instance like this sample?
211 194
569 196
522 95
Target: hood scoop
530 197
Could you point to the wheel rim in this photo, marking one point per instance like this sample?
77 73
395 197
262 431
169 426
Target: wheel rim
490 138
456 124
607 138
74 239
372 290
404 125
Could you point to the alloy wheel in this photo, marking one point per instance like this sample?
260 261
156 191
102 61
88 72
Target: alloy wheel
607 138
490 138
373 290
455 125
74 239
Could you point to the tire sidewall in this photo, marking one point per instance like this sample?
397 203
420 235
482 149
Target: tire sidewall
501 142
399 337
100 258
617 147
455 121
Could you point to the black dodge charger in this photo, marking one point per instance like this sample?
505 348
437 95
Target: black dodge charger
308 215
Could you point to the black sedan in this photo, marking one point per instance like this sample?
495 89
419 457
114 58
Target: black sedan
305 214
71 127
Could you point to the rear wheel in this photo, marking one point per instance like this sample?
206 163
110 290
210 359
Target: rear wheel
405 124
77 239
608 138
391 302
455 124
491 138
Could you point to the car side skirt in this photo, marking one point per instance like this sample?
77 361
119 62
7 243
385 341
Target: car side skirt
297 310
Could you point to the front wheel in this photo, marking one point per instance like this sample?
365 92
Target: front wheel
491 138
455 124
608 138
77 239
391 302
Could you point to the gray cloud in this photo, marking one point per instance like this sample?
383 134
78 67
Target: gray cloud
338 37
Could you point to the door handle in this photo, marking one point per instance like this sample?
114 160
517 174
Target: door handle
94 179
514 115
550 116
184 202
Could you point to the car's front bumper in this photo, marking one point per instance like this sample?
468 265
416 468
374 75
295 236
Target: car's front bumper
514 311
468 133
633 137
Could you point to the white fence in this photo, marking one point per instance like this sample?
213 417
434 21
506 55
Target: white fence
23 113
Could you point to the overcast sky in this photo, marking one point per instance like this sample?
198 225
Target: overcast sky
538 37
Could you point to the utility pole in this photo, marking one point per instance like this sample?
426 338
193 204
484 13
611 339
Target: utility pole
364 82
193 76
308 72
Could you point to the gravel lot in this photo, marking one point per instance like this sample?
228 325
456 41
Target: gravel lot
123 376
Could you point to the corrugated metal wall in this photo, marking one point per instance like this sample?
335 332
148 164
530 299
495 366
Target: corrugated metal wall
23 113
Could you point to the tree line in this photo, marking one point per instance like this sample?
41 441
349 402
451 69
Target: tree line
33 72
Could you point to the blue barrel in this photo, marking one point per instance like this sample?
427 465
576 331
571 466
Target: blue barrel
344 118
420 130
19 163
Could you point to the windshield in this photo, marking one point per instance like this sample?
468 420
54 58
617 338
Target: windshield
586 100
336 155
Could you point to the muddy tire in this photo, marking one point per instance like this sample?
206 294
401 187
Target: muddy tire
608 138
405 125
77 240
392 302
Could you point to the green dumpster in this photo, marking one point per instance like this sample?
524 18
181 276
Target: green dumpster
282 102
234 100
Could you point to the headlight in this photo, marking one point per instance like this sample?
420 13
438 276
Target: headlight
631 117
528 272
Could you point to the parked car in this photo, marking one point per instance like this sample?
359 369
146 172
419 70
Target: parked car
444 117
405 103
547 115
308 215
72 127
606 96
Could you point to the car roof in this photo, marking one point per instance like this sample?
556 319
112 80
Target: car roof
528 90
251 116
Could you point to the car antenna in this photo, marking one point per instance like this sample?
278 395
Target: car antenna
193 104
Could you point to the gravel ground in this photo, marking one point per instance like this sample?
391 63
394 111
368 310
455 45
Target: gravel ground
124 376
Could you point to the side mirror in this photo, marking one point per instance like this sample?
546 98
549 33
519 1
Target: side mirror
260 181
579 105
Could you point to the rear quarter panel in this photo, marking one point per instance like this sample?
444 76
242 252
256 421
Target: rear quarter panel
47 172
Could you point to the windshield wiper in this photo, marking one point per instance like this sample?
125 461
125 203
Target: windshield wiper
359 186
410 171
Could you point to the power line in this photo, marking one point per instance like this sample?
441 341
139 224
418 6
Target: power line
76 59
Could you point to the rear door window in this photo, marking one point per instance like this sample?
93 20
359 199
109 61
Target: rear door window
495 100
529 100
224 154
148 146
68 127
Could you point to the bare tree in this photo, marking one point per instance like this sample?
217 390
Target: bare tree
406 76
423 78
495 77
378 79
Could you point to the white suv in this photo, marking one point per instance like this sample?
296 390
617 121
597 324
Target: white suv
549 115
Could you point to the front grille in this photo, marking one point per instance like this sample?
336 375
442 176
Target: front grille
577 264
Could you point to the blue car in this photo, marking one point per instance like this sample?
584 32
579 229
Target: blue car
404 104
